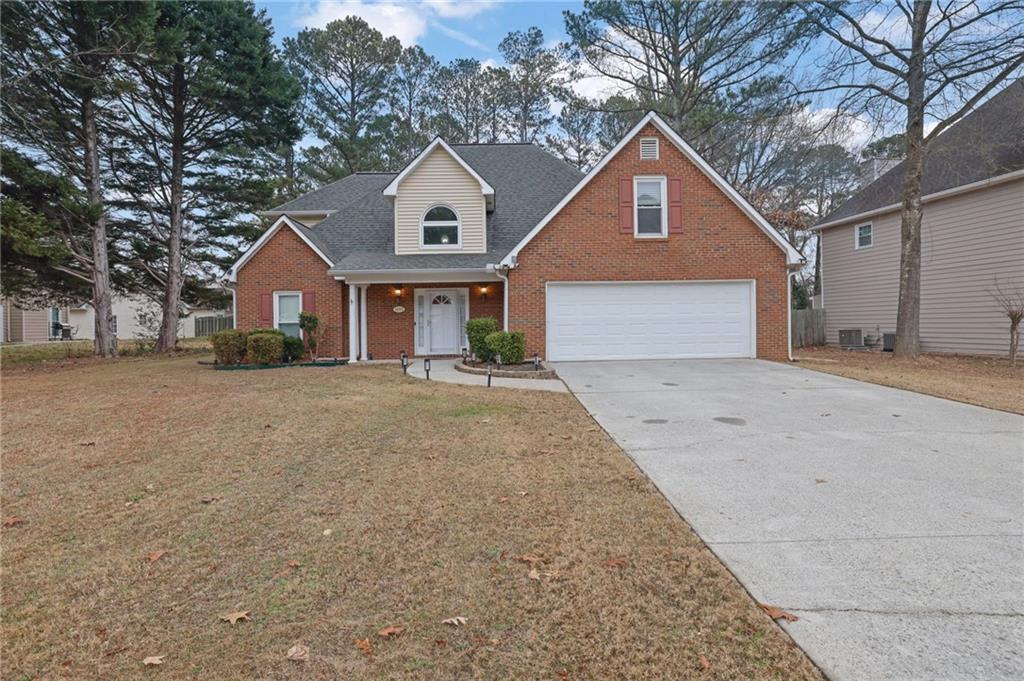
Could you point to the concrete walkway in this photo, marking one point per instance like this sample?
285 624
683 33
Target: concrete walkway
890 522
444 370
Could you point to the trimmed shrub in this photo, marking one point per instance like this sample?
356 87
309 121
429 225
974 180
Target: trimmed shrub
292 349
260 329
264 348
478 330
510 345
229 346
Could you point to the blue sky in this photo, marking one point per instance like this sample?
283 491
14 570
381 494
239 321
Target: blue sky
447 29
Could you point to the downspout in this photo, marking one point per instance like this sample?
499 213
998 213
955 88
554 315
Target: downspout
789 312
502 272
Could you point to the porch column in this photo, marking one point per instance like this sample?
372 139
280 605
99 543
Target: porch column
362 321
353 339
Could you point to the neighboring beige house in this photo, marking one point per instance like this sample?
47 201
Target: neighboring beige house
972 235
40 325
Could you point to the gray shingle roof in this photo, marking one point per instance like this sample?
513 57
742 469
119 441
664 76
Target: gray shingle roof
359 234
986 143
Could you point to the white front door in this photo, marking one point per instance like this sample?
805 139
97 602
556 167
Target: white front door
440 319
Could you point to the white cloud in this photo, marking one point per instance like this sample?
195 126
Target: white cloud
407 21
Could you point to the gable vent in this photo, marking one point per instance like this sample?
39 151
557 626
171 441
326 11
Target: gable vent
648 148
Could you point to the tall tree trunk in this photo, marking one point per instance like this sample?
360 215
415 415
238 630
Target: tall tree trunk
908 313
817 263
104 343
168 338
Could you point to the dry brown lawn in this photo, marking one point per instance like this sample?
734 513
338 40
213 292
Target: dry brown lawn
985 381
331 503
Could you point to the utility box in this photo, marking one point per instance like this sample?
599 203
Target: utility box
888 342
851 338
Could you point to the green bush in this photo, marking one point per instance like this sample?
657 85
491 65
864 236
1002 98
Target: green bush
478 330
260 329
264 348
229 346
293 349
510 345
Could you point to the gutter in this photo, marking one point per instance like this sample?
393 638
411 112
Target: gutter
502 270
928 198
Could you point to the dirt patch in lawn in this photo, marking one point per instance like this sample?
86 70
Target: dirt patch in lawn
985 381
319 508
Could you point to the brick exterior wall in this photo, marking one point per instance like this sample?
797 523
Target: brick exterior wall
286 263
718 241
389 332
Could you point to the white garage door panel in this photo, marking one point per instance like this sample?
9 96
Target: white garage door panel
649 320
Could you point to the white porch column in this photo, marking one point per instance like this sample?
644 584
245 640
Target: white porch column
353 321
362 321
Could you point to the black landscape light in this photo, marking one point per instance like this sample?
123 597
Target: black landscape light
464 355
405 362
426 367
488 375
497 358
536 362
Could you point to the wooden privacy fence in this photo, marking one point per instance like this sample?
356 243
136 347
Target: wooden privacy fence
808 327
207 326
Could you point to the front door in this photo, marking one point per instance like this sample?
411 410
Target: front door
440 316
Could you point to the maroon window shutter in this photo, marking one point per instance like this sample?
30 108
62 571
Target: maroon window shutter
309 302
675 205
626 205
266 310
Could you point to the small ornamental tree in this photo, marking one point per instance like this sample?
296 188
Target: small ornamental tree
1011 301
310 325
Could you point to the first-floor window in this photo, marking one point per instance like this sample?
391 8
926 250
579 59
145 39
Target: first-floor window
286 313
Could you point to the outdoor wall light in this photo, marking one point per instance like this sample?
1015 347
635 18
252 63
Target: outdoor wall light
397 290
483 293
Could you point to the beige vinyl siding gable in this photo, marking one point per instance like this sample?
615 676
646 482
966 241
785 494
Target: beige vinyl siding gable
439 179
967 241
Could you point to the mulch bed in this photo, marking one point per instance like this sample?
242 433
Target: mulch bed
524 370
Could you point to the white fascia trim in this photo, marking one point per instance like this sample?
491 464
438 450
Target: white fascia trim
927 198
793 256
283 221
392 188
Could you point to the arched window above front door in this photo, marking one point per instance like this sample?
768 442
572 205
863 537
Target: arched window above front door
440 227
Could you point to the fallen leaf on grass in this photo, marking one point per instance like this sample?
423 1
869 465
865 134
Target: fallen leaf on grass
705 665
777 613
209 500
502 500
294 564
534 574
327 533
616 561
531 558
86 444
298 653
364 645
154 660
455 621
154 556
820 481
233 617
13 521
390 632
440 642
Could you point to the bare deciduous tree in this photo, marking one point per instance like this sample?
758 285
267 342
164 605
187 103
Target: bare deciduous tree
923 61
1010 299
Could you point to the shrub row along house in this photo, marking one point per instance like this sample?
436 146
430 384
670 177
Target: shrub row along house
972 238
649 255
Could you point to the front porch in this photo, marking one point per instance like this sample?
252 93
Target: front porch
418 318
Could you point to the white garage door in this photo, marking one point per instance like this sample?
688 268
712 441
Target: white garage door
619 320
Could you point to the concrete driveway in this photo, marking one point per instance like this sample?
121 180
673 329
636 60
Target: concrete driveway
890 522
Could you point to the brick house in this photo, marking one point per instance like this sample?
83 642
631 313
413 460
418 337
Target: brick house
650 255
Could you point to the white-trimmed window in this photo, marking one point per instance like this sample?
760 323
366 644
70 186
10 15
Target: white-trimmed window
287 305
650 215
863 236
441 227
648 148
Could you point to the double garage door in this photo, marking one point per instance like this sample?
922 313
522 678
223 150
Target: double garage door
657 320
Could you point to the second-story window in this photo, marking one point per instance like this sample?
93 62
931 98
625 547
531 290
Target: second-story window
440 227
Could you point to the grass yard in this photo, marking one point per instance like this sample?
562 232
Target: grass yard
985 381
81 351
155 496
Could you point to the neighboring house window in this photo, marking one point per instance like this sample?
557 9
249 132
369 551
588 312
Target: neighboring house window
287 305
865 237
440 227
55 325
651 216
648 148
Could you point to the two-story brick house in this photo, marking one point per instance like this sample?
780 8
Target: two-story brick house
649 255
